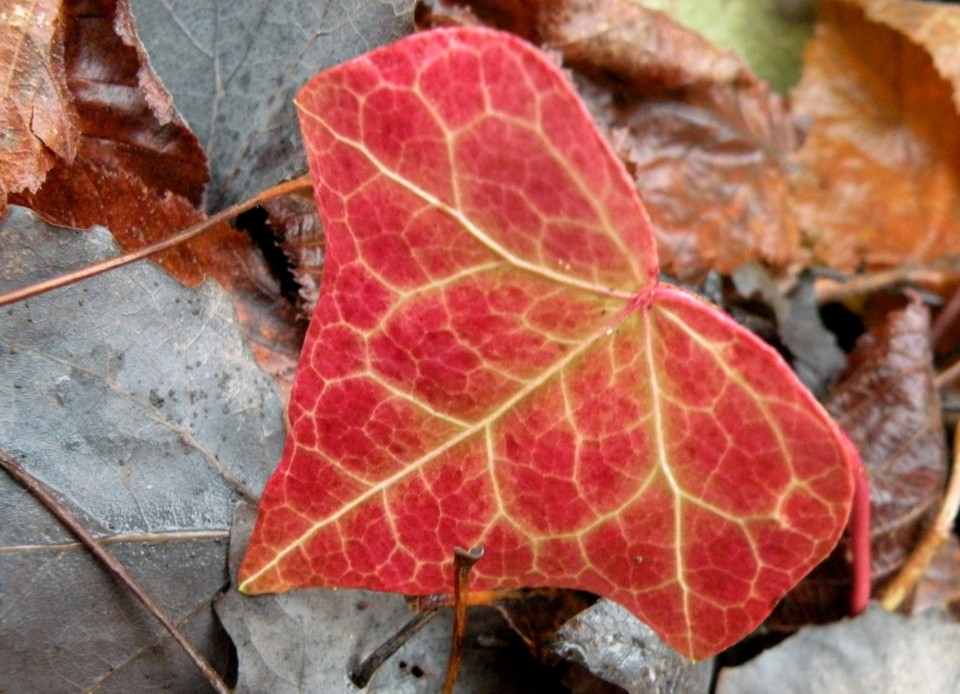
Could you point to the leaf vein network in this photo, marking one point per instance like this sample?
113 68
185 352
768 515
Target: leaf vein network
468 225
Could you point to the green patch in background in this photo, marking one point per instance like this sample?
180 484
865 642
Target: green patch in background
768 34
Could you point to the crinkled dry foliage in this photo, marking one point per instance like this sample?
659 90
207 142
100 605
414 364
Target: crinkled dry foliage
123 127
879 182
35 115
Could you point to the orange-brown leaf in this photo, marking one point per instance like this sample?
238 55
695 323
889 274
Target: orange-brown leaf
134 167
880 171
37 122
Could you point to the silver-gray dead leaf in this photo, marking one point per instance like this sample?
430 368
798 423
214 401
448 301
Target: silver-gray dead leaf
877 652
138 403
233 69
305 641
619 648
817 358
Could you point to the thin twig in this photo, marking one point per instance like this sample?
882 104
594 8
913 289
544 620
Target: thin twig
175 240
935 272
938 533
463 562
947 376
362 674
39 490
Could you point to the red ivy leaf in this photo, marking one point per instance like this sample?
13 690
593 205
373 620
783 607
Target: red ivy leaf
492 362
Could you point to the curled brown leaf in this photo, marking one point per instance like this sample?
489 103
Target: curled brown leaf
296 222
887 403
136 168
37 119
131 164
878 175
122 118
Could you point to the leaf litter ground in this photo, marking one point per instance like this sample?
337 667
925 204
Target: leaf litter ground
138 403
160 24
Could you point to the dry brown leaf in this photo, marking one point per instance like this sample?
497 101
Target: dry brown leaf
137 215
887 403
88 194
879 173
939 587
705 139
295 220
137 169
270 322
37 122
122 118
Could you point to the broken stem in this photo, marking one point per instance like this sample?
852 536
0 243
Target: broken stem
463 562
39 490
427 608
936 535
363 673
276 191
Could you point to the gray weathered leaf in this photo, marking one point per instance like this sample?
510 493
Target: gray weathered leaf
233 69
307 640
877 652
816 355
619 648
138 403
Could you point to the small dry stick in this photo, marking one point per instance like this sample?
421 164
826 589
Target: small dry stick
363 673
463 562
947 376
35 487
98 268
936 272
938 533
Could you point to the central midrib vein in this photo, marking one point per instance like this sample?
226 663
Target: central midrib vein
664 464
474 429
